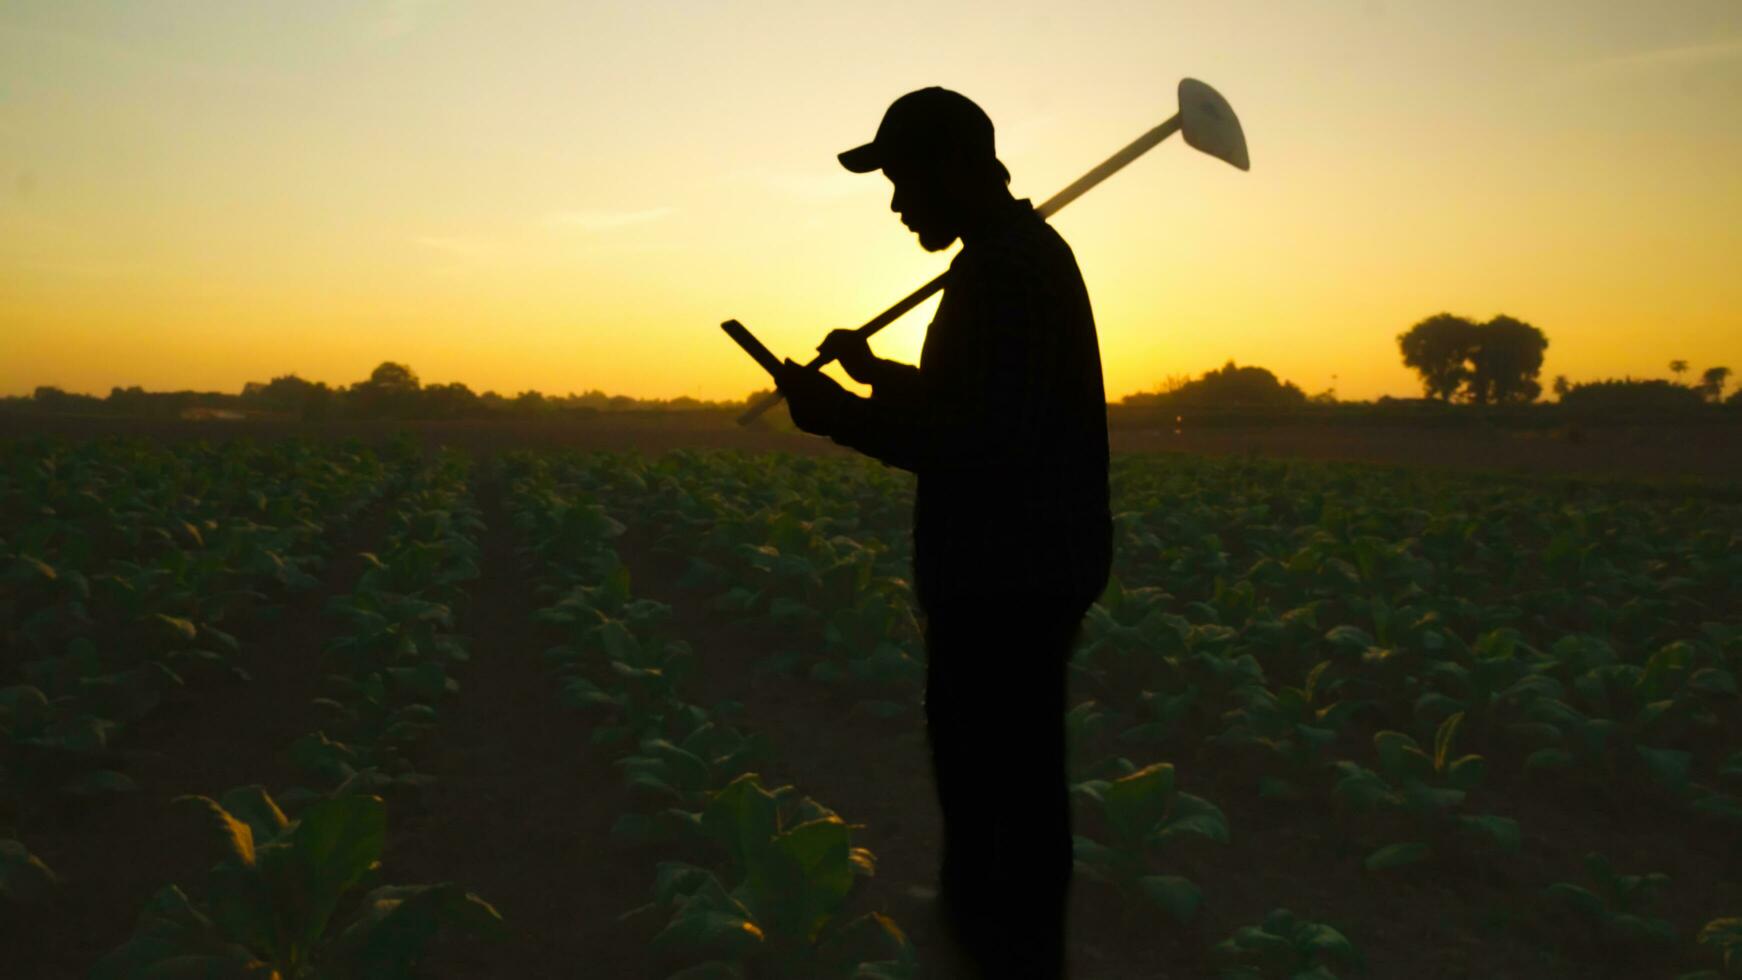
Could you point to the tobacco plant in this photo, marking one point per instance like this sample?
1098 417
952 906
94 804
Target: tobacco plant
272 904
1143 813
1427 788
1285 947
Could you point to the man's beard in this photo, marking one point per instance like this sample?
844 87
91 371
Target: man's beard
934 239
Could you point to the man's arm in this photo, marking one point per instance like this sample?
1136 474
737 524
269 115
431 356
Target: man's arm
891 379
979 414
895 381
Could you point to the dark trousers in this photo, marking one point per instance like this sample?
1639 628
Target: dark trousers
994 710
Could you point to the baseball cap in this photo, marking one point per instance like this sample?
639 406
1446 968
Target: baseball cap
922 124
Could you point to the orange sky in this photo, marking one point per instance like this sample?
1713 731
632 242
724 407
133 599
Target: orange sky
569 196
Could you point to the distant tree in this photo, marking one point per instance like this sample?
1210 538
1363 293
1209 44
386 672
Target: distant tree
1232 385
1679 367
531 403
390 392
1628 395
48 398
132 401
1173 383
450 401
1561 386
1507 359
290 394
1712 383
1439 349
1161 392
1497 361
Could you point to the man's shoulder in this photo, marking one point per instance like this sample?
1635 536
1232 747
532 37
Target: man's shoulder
1028 248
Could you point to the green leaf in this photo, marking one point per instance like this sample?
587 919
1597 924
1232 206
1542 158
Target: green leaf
1177 896
1135 803
1362 788
394 923
182 629
1669 766
335 842
23 876
1443 739
710 923
236 836
1719 805
170 927
1580 898
1349 637
1713 680
1466 773
742 818
1196 815
1396 856
797 883
255 807
1321 940
1503 831
1400 756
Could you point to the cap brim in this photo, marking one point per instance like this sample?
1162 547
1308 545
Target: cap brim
861 159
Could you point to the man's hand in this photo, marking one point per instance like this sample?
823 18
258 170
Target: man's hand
815 400
849 347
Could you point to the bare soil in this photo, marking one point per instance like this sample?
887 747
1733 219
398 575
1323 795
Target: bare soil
523 804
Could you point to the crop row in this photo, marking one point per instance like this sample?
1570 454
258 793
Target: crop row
757 876
126 572
283 899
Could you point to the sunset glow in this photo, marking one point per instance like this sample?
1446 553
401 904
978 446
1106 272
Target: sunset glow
565 197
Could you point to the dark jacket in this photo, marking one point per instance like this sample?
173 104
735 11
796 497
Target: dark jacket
1004 421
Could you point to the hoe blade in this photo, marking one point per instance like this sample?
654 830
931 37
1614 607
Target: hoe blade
1209 124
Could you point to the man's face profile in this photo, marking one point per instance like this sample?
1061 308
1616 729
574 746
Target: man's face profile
922 201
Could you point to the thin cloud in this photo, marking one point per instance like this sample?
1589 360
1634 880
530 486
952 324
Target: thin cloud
1654 59
589 220
1687 54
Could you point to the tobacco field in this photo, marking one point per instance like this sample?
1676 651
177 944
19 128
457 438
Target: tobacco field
335 709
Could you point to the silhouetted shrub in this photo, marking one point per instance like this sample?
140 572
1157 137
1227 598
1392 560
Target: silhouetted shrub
1226 386
1626 394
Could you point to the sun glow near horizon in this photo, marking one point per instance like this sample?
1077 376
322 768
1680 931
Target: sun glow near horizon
564 198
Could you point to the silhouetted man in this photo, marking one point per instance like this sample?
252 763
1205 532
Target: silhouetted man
1005 423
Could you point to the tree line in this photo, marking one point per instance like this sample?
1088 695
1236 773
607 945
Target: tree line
392 391
1459 361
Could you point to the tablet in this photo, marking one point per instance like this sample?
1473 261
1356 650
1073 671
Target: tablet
758 353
